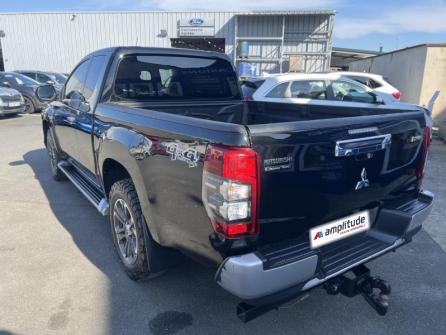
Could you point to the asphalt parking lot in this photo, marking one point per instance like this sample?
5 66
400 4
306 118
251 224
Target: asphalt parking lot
59 273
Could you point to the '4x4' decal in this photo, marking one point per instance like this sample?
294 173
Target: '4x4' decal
187 155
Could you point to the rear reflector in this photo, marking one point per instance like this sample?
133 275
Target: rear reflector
397 95
423 155
230 190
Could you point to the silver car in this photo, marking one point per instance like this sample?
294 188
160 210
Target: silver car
11 101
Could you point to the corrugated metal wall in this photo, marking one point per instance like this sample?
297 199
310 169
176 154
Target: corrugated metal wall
273 38
57 41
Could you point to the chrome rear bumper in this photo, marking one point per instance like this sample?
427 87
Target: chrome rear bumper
249 277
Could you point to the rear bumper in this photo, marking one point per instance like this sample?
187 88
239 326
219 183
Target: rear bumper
295 267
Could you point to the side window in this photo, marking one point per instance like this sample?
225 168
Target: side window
75 84
346 91
94 74
42 78
29 74
308 89
279 91
361 80
374 84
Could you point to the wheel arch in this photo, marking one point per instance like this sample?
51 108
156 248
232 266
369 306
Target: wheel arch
116 163
112 171
31 99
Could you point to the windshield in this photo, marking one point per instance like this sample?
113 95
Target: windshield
153 77
19 79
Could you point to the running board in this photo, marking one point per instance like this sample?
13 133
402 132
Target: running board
87 188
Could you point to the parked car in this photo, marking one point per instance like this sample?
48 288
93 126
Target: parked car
376 82
26 86
321 89
314 88
11 102
53 78
278 197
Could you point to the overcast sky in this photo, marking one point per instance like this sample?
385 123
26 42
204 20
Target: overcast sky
358 24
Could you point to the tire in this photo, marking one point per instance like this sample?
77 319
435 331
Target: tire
53 157
29 106
133 244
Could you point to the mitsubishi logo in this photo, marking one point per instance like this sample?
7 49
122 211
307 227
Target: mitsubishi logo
364 182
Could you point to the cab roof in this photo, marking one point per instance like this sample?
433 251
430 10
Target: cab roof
127 50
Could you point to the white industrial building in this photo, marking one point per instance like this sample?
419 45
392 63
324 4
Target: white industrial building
274 41
418 72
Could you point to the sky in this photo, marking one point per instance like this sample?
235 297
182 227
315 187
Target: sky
391 24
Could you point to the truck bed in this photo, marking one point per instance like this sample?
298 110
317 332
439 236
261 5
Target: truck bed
303 182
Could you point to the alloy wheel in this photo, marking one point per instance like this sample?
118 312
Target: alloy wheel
125 231
28 106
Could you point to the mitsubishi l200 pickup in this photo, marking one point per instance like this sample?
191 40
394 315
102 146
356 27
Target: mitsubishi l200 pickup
278 198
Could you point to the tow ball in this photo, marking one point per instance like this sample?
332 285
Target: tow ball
374 289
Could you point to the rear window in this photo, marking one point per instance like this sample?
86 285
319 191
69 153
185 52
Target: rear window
160 77
374 84
366 81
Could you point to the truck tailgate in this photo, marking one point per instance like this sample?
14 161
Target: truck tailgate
315 171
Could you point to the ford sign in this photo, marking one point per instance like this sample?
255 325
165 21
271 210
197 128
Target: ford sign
196 22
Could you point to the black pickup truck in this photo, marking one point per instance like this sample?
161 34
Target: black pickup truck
279 198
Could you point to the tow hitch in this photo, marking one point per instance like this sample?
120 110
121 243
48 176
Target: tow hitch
374 290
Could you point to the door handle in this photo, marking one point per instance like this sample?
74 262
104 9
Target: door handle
362 145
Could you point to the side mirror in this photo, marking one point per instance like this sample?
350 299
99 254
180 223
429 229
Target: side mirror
6 84
80 104
50 82
77 101
46 93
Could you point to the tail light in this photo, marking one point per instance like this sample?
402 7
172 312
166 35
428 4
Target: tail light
231 190
423 156
397 95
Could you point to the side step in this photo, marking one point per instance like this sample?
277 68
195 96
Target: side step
87 188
